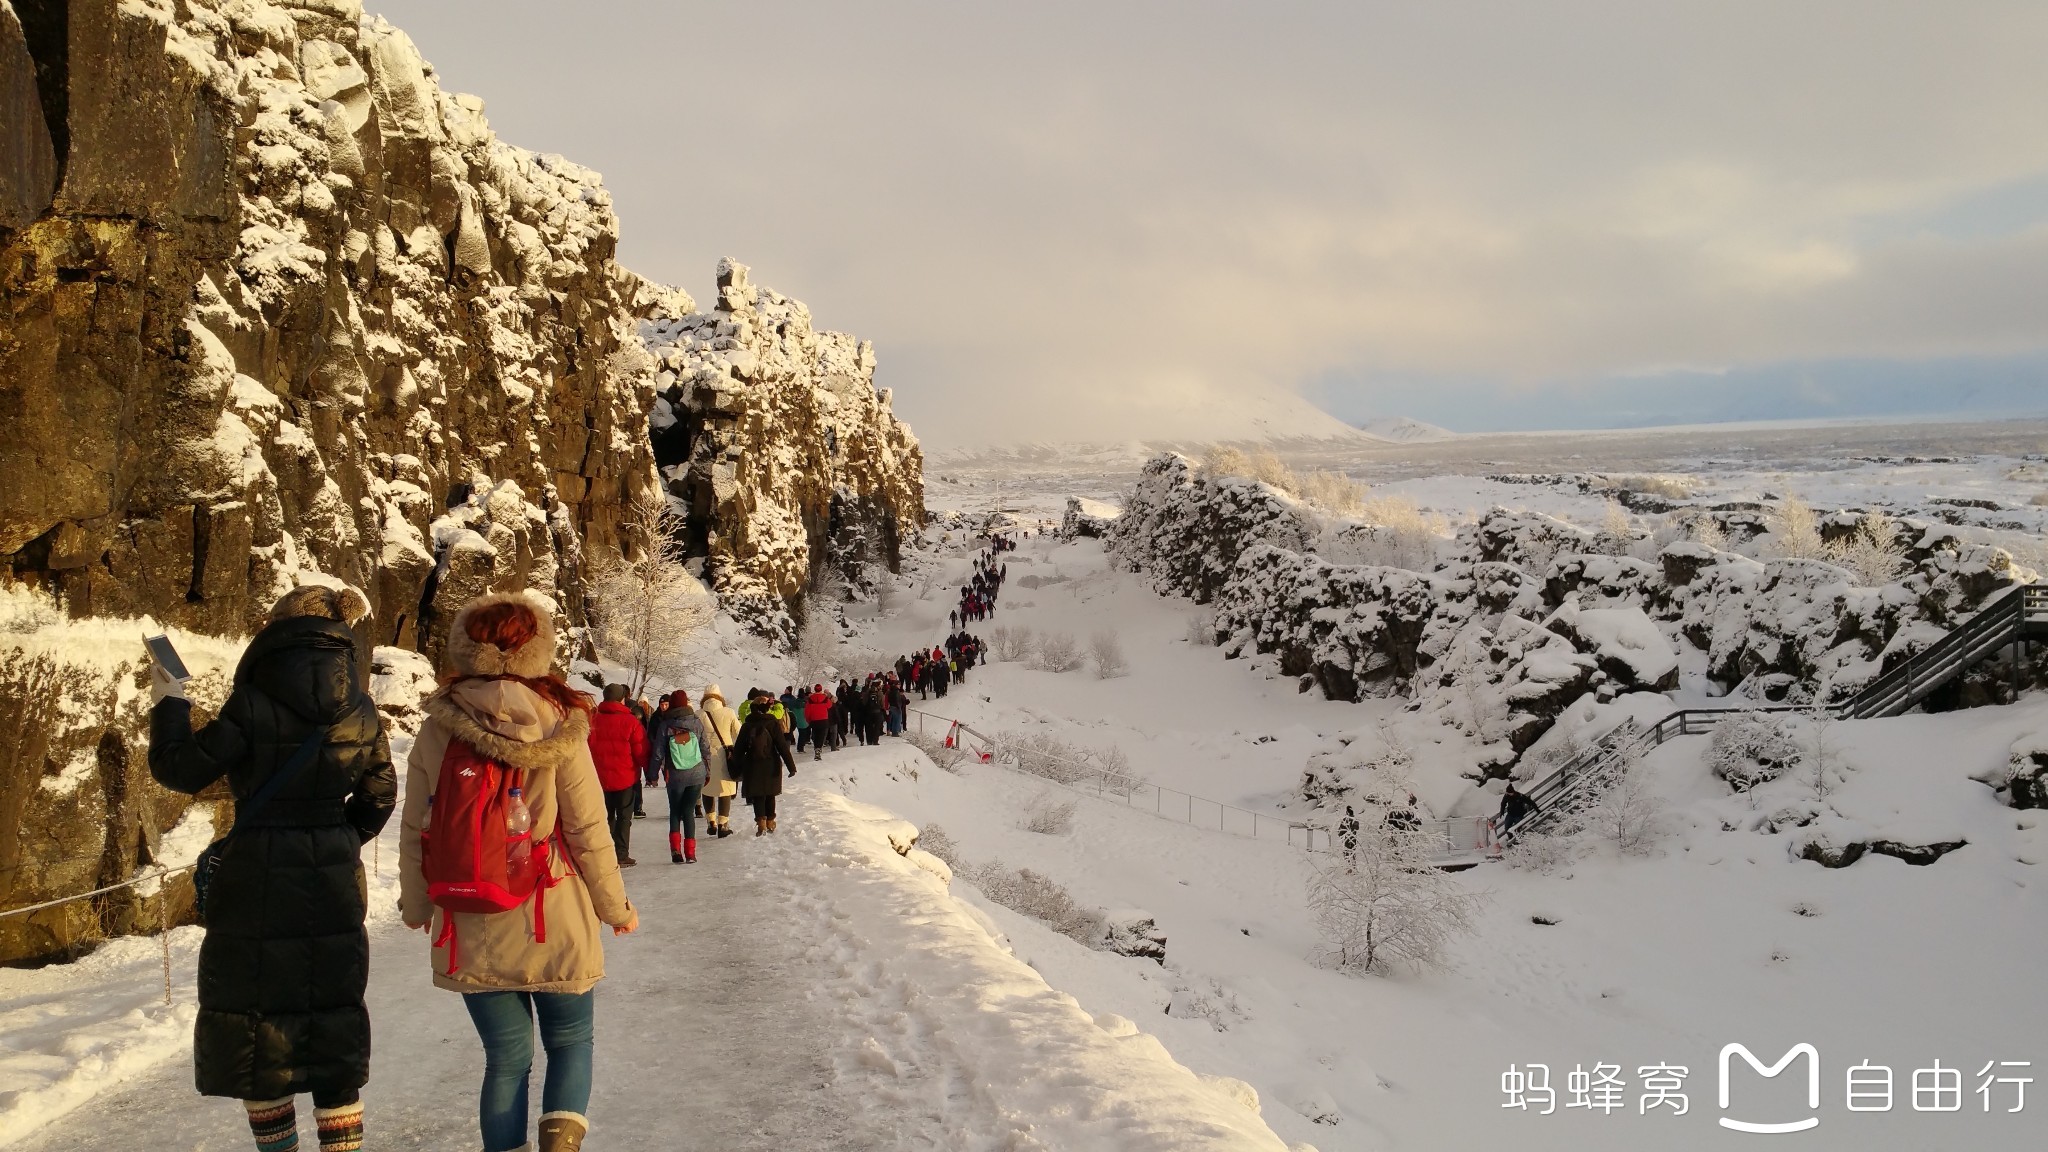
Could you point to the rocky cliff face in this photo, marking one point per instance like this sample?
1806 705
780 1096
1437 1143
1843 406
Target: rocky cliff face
786 460
275 308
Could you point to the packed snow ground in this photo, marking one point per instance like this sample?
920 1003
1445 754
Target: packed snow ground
810 990
1718 936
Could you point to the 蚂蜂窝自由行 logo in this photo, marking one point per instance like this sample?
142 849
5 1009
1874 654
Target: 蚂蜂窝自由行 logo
1663 1088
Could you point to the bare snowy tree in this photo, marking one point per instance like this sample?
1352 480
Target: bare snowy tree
1107 647
1796 529
1631 815
1011 644
1202 626
1822 752
645 605
1384 903
1707 530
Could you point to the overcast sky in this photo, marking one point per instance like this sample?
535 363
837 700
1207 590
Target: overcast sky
1061 220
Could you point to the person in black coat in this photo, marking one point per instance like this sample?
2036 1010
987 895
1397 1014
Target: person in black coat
285 961
758 756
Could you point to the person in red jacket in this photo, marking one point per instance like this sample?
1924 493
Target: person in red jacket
618 746
818 714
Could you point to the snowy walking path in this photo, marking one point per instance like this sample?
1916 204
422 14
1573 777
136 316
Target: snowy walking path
811 990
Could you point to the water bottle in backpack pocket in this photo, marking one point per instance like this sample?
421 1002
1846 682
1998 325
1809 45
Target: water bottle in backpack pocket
477 848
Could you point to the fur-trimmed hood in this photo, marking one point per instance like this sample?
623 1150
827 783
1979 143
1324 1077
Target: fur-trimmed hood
555 751
531 659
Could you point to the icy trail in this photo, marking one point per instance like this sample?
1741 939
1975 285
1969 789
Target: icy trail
810 990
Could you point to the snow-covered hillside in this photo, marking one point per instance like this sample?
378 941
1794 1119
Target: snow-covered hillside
1720 933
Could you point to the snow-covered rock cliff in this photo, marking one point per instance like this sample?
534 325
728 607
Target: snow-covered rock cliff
1522 614
786 457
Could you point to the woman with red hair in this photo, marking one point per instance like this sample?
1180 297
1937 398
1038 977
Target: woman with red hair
501 704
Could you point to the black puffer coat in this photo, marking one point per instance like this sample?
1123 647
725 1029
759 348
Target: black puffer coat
760 755
285 961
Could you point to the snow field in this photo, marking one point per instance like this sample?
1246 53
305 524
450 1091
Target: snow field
1720 934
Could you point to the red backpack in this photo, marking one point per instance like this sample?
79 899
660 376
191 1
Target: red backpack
465 849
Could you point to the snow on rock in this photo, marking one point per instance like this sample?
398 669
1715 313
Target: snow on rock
1629 646
1130 932
2026 779
296 306
74 701
1085 517
776 444
1525 613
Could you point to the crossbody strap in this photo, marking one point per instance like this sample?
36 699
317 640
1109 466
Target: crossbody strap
291 770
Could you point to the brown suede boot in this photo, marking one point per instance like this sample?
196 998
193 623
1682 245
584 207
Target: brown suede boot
771 823
562 1132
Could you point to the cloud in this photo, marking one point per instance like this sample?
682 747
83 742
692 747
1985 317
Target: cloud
1060 219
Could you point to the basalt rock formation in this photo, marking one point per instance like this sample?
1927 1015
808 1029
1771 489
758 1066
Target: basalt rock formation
276 308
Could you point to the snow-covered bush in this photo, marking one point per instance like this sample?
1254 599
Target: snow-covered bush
1384 903
1541 852
1107 648
1630 816
934 839
645 606
1405 536
934 746
1332 492
1057 652
1795 529
1667 487
1047 815
1873 553
1752 748
1039 897
1012 643
1045 755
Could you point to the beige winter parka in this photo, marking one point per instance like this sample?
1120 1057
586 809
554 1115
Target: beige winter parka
510 723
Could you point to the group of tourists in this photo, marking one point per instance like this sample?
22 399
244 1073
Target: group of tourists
506 862
521 794
702 755
978 595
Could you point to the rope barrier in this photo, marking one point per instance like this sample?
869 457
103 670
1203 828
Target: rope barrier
159 874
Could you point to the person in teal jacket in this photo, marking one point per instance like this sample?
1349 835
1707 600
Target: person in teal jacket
793 708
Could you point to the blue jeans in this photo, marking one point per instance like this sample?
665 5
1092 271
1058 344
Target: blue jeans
504 1020
682 808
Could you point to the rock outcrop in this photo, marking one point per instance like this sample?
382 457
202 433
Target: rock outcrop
276 308
786 459
1523 614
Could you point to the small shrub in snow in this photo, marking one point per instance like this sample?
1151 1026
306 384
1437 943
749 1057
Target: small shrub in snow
1047 815
2039 500
1108 650
1202 626
1874 554
1407 536
1542 852
1614 519
1708 531
1333 491
1752 748
933 745
1667 487
1796 531
934 840
1039 897
1054 759
1384 903
1058 652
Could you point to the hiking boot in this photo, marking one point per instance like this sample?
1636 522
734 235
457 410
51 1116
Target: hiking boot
724 830
771 823
627 862
562 1132
760 827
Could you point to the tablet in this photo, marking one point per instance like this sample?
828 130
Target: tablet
166 657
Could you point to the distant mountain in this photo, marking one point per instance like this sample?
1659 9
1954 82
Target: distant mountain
1402 430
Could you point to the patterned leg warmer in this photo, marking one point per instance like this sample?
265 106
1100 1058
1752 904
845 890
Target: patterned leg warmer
341 1129
274 1123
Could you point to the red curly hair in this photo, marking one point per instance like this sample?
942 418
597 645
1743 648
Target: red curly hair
507 627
